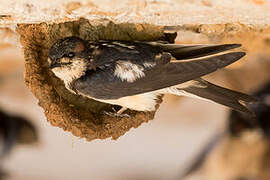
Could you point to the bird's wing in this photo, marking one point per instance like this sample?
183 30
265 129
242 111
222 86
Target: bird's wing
105 52
141 52
192 51
107 84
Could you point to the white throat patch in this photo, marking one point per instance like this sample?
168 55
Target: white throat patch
70 72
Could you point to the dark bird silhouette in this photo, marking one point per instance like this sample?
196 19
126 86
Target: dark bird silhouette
14 130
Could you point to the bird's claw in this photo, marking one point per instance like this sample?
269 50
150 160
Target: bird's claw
115 114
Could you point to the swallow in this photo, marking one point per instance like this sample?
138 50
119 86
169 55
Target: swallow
134 74
239 122
15 130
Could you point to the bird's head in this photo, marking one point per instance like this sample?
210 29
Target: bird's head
68 58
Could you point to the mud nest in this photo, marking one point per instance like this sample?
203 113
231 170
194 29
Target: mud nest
81 116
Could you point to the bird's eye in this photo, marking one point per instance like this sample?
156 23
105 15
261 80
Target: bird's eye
71 54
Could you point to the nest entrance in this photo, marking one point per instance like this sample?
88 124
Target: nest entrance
81 116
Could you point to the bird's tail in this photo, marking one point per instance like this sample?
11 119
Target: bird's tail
220 95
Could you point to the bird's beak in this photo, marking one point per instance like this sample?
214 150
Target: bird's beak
53 63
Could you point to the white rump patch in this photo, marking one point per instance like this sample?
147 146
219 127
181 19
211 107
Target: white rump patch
128 71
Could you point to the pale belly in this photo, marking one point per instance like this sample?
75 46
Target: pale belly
140 102
147 101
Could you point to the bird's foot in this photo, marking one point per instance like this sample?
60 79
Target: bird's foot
115 114
118 113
